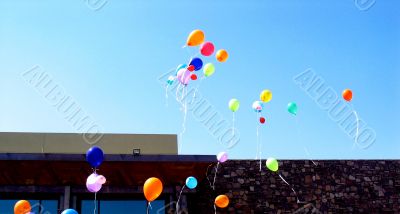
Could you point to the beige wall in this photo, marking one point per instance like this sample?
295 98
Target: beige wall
68 143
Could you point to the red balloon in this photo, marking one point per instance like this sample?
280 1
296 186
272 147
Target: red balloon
207 49
347 95
191 68
193 77
262 120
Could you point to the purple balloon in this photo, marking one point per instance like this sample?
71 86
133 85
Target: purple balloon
183 76
94 182
222 157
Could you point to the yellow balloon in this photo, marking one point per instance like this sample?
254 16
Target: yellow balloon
222 55
209 69
266 96
195 38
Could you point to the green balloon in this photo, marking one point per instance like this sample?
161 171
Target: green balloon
234 104
209 69
292 108
272 164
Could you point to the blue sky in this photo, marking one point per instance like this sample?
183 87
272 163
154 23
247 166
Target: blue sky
109 60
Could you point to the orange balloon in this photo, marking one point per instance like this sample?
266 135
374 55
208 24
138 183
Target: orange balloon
152 189
347 95
222 201
22 207
195 38
222 55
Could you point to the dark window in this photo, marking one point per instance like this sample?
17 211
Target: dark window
38 206
121 206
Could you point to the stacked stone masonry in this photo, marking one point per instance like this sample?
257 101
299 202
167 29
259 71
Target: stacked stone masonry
328 186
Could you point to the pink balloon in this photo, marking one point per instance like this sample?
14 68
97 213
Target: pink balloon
207 49
94 182
222 157
183 76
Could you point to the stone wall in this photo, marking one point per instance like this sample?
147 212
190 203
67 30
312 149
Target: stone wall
329 186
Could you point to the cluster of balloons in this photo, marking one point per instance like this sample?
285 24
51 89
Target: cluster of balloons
186 72
95 156
258 105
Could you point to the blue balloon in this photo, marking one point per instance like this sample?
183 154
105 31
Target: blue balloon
95 156
69 211
197 63
191 182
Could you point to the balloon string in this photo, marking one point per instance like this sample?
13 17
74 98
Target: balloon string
95 202
197 88
257 137
258 156
295 193
357 126
215 175
299 137
233 128
176 94
177 202
215 209
147 209
189 51
207 174
309 157
184 110
166 95
260 147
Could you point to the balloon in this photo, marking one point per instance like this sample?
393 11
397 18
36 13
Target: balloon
183 76
292 108
257 106
95 156
193 77
191 182
22 207
272 164
221 201
197 63
208 69
179 68
152 188
191 68
347 95
266 96
94 182
234 104
262 120
170 80
207 48
195 38
222 157
222 55
69 211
